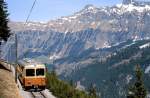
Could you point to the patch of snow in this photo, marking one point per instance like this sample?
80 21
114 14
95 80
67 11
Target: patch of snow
147 70
73 17
64 18
135 38
131 7
114 53
97 48
139 9
79 21
50 24
53 57
66 31
144 46
90 8
118 43
93 23
60 23
147 38
118 5
147 7
112 21
29 24
128 78
106 45
34 29
69 20
129 45
104 10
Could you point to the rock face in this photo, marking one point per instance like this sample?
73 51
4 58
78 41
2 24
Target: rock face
8 87
90 29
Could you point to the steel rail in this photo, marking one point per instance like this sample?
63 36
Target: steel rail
38 95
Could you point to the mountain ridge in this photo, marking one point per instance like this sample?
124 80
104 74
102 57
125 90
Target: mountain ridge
89 17
91 27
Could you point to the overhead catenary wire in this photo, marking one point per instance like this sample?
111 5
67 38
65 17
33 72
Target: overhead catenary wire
33 5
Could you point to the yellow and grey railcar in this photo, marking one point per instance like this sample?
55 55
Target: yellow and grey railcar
31 74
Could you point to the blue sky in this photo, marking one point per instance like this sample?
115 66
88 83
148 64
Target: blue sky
45 10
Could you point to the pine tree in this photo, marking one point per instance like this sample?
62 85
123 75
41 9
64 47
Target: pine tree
4 29
92 91
71 83
137 90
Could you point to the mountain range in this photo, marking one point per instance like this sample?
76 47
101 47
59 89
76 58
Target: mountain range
81 42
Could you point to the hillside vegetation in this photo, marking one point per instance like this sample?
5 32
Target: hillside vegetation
113 76
63 89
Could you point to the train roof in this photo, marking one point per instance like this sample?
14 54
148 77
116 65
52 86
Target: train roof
30 63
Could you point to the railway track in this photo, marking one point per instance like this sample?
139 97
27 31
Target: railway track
38 95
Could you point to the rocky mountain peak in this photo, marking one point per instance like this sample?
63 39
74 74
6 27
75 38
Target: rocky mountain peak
136 2
89 6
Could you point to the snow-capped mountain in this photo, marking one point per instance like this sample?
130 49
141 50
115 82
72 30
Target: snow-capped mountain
121 17
91 28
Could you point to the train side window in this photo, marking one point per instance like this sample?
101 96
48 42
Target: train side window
40 72
30 72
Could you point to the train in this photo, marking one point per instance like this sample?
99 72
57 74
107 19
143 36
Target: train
32 74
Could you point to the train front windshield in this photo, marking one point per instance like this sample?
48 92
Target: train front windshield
30 72
40 72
